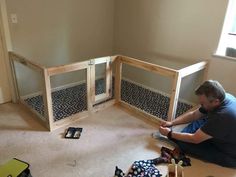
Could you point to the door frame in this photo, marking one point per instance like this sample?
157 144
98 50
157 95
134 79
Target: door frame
7 46
96 99
4 59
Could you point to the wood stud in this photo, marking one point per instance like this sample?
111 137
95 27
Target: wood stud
89 65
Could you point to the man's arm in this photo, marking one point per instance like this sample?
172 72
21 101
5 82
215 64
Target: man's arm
185 118
198 137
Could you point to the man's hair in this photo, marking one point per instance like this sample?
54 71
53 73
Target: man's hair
212 90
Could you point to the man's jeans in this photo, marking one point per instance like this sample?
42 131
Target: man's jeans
205 150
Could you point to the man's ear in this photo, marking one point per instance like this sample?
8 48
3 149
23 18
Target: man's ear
217 102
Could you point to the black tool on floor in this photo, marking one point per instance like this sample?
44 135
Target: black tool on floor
73 133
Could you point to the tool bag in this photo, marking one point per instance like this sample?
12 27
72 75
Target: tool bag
15 168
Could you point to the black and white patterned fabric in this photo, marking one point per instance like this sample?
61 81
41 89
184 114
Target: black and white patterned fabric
65 102
36 103
73 100
149 101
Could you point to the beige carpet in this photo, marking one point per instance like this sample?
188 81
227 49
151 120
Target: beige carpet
110 138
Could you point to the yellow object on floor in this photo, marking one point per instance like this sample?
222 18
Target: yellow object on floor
13 168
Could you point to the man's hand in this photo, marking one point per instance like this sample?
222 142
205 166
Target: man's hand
166 124
164 130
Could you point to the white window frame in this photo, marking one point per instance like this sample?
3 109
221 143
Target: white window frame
228 39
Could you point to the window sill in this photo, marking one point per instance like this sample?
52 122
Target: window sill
224 57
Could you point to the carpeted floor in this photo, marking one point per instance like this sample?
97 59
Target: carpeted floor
110 138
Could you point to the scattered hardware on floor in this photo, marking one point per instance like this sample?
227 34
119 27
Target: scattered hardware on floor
73 133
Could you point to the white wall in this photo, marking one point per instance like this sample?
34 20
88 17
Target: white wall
176 31
223 70
54 32
172 33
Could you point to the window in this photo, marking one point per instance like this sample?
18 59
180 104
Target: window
227 44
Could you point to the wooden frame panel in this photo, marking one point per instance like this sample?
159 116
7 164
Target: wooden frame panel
89 65
89 90
92 81
118 80
24 61
15 84
101 97
47 99
192 69
35 67
176 75
46 74
148 66
174 96
67 68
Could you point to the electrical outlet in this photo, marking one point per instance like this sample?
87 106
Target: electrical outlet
13 18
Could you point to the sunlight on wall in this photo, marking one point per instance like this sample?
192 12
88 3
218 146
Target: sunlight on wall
228 40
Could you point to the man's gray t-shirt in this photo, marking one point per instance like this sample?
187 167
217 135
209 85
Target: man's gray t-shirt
221 125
